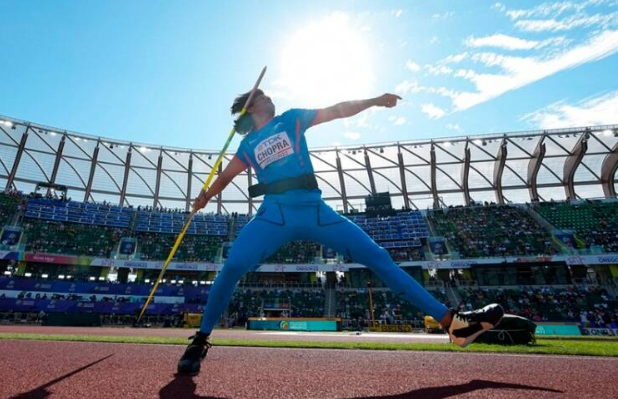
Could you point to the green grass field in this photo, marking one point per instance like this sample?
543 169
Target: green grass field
553 346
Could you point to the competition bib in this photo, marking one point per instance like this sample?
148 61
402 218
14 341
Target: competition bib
273 149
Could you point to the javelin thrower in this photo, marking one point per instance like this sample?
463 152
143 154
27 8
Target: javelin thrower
275 147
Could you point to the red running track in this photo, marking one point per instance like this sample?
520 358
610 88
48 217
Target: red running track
36 369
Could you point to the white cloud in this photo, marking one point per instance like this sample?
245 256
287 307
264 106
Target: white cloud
521 71
407 86
397 120
455 127
434 40
455 58
432 111
352 135
413 66
600 110
552 10
397 13
575 21
510 43
446 15
438 70
499 6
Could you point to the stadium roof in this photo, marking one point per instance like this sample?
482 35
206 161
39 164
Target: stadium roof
507 167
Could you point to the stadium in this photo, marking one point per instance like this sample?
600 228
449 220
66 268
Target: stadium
515 218
106 268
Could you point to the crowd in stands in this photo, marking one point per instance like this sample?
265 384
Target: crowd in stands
10 200
594 222
492 231
296 252
388 308
590 305
275 302
71 238
193 248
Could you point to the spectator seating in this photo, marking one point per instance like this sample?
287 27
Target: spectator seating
594 222
388 307
173 222
492 231
8 206
547 303
193 248
296 252
78 212
71 238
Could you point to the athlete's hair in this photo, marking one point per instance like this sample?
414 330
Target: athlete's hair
244 124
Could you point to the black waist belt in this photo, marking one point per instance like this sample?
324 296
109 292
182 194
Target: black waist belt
307 182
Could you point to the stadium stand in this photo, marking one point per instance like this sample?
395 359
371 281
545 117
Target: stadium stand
491 231
552 304
9 202
594 222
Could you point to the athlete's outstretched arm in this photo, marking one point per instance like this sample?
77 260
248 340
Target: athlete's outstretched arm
227 175
351 108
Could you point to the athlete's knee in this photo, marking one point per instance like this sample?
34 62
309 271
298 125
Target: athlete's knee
234 268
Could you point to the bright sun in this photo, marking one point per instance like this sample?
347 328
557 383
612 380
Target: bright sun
325 62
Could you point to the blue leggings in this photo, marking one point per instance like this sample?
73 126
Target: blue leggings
276 224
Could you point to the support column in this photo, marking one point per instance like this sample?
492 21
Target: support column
93 166
434 171
125 181
220 196
465 172
20 151
533 169
402 176
155 201
189 176
344 196
572 163
59 152
370 173
608 173
499 170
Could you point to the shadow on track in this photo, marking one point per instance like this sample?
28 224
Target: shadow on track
184 387
42 392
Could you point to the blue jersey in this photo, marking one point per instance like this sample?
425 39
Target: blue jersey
279 149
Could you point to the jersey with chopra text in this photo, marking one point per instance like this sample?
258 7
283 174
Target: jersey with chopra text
279 149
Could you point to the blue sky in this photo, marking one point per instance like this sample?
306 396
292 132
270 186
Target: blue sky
166 72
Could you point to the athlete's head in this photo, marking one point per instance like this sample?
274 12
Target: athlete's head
260 104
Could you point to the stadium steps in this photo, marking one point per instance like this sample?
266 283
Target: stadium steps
453 296
549 227
330 301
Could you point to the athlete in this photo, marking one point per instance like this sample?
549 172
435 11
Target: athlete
276 149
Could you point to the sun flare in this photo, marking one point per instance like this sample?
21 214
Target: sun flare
325 62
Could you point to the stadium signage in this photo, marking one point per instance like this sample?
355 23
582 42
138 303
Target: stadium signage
583 260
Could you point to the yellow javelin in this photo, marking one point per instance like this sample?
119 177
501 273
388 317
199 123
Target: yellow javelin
193 210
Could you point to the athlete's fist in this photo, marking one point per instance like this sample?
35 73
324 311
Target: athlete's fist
387 100
200 202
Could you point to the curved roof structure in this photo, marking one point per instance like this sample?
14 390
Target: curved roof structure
508 167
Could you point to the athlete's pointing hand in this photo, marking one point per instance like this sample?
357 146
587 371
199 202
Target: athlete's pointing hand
387 100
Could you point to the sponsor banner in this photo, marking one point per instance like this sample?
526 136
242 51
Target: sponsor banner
583 260
291 324
58 259
557 329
